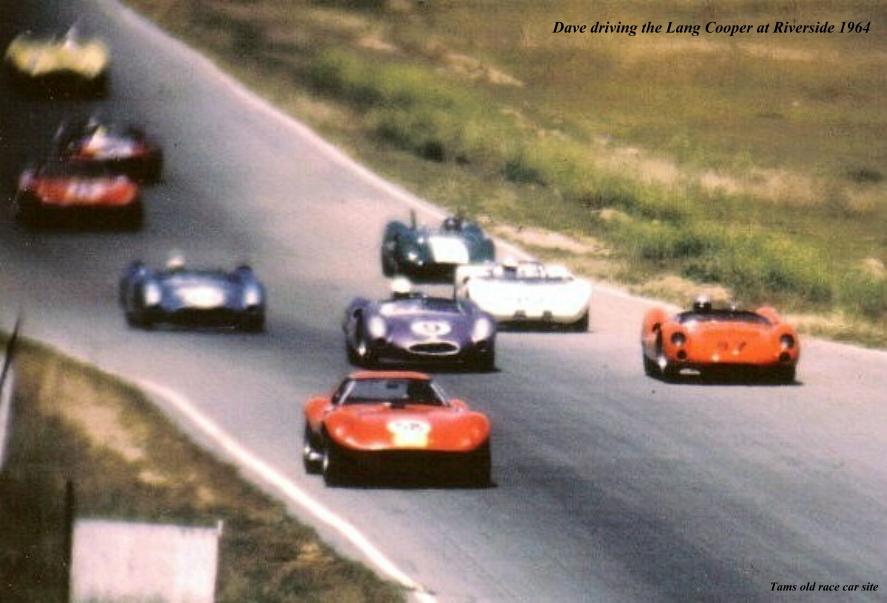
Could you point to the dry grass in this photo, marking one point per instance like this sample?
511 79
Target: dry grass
73 422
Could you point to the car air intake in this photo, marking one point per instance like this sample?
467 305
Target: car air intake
441 348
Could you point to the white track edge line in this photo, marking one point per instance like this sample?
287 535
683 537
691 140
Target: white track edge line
6 390
249 460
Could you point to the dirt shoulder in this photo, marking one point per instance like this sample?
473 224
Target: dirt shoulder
75 423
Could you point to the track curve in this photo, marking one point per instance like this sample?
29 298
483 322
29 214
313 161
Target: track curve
609 486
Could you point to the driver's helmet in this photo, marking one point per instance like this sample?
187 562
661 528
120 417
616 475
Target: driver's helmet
176 261
98 138
453 223
401 288
702 304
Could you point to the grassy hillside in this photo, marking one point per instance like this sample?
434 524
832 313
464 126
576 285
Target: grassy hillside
755 162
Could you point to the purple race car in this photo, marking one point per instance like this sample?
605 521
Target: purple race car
411 327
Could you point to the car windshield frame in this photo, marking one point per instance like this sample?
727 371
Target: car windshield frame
403 391
744 316
418 305
56 170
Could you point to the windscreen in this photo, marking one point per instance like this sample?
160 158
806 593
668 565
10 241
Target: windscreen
421 305
723 316
399 391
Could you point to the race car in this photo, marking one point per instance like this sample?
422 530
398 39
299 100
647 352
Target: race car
54 63
526 293
59 193
708 340
120 149
394 423
412 327
192 297
425 253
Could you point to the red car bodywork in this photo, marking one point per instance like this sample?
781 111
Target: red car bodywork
719 339
402 434
59 196
65 192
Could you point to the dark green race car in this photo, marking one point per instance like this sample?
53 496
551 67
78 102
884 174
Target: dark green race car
424 253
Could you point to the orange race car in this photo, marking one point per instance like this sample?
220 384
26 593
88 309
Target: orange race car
708 339
394 423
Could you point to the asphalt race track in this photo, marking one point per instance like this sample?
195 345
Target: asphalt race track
609 486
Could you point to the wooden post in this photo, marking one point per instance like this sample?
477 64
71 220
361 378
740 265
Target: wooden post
68 541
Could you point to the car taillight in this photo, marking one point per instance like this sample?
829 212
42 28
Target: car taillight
678 338
787 342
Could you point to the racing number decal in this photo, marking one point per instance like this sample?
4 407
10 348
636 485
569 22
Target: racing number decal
409 433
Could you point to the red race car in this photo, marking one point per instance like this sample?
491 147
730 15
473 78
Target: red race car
66 194
395 423
708 339
122 149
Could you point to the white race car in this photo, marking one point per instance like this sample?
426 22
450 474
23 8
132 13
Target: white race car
527 293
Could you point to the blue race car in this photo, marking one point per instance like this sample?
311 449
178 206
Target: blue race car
189 297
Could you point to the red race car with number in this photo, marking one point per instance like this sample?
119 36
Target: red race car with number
396 423
708 340
64 194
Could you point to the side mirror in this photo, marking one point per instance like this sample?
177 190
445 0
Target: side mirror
456 403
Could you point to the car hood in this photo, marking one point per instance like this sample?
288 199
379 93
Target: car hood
376 427
728 330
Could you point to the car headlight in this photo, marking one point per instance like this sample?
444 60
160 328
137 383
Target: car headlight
483 328
787 342
153 294
252 297
376 327
678 338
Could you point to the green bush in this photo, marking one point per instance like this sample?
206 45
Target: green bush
864 294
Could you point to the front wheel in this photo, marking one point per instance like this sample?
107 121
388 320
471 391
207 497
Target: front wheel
486 361
785 374
364 353
581 325
389 267
138 320
333 466
480 467
312 459
253 323
651 369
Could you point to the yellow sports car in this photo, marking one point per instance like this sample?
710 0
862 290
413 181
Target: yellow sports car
61 62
